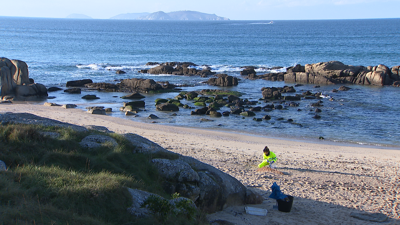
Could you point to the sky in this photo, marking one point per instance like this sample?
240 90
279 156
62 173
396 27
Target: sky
232 9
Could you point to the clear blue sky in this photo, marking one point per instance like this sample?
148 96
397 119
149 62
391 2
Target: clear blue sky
232 9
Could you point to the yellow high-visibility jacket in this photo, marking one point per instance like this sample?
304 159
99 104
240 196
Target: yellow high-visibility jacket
271 158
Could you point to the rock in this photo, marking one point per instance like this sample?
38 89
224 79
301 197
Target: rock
50 104
25 92
296 69
143 145
217 189
317 116
334 72
153 117
344 88
215 114
292 98
3 166
120 72
98 128
95 141
253 197
266 117
271 93
247 113
167 107
138 197
141 85
372 217
69 106
180 176
161 69
130 108
130 113
135 104
395 73
201 111
272 76
52 89
205 120
223 80
73 91
176 170
191 95
248 71
90 97
13 73
78 83
95 107
97 111
135 95
102 87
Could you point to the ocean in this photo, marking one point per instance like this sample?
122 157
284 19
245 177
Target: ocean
60 50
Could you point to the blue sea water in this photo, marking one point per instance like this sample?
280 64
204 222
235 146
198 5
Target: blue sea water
59 50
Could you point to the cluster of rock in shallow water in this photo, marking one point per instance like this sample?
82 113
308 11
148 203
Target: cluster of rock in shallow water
14 79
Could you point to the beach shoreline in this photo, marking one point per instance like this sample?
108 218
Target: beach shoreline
233 132
328 182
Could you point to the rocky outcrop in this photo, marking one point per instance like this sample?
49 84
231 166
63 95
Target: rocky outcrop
15 82
78 83
143 85
211 189
179 68
223 80
334 72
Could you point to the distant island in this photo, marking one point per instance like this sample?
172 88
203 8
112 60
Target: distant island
78 16
178 15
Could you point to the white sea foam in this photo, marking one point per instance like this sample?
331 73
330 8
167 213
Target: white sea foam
104 66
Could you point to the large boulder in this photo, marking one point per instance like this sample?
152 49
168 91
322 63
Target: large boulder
23 92
21 74
211 189
180 176
218 190
14 81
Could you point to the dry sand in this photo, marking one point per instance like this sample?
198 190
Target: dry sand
329 181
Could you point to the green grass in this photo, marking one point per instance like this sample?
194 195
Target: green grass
56 181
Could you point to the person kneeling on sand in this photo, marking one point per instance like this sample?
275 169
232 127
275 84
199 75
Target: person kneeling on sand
269 159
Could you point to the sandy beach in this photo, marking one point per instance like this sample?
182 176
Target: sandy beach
330 182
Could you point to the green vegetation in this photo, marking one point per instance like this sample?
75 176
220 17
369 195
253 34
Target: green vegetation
162 209
56 181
